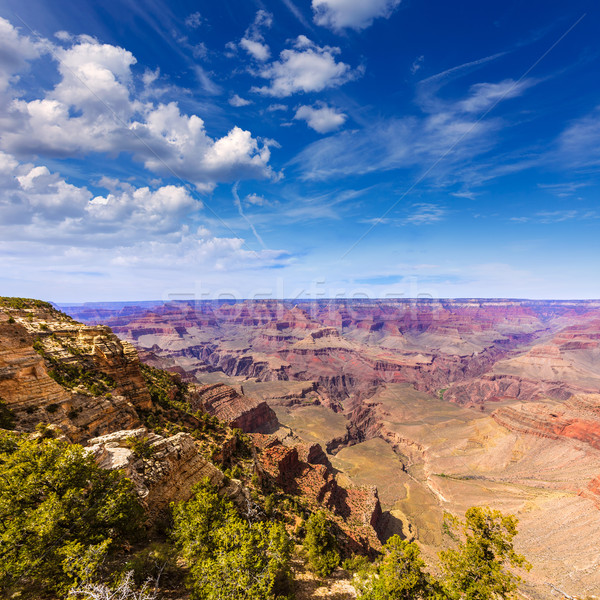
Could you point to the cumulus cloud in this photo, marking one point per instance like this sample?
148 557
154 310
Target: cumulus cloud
256 49
61 236
16 51
323 119
305 68
256 200
253 40
93 109
43 202
353 14
194 20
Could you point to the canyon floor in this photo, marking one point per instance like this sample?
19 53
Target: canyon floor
440 404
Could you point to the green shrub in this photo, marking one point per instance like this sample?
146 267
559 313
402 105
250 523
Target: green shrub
227 556
479 568
320 545
141 447
166 389
59 514
399 575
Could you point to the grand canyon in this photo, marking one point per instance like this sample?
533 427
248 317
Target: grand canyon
439 404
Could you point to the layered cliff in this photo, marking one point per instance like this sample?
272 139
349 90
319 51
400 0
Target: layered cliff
54 370
166 434
240 411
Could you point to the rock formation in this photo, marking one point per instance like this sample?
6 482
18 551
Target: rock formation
227 405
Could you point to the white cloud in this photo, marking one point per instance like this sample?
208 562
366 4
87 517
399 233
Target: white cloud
441 141
253 40
256 200
305 68
238 101
276 107
484 95
353 14
45 204
557 216
194 20
323 119
579 143
257 50
417 64
425 213
93 109
16 51
58 236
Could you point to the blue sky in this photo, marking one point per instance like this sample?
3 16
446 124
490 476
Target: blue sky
299 148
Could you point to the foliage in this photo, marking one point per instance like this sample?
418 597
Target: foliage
7 418
59 513
73 374
399 575
477 569
155 561
21 303
227 556
141 447
320 545
166 389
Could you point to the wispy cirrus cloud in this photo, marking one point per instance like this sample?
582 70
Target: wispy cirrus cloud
547 217
419 213
446 134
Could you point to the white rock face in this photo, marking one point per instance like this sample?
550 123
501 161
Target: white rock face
169 474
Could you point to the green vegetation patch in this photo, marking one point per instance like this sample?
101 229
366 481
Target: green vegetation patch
320 545
72 375
479 567
166 389
60 514
228 556
24 303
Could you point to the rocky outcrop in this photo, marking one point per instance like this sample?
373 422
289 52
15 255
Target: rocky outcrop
168 472
33 396
355 510
223 402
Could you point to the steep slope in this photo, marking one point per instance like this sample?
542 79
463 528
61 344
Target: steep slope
81 383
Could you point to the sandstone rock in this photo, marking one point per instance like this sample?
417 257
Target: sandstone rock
169 474
237 410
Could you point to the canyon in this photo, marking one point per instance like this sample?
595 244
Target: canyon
437 405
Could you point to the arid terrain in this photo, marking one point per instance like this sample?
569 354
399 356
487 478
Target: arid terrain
439 404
